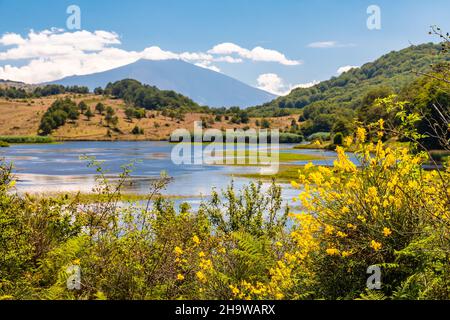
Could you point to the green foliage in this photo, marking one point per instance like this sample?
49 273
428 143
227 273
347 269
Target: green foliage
100 108
251 210
41 91
338 139
56 116
148 97
26 139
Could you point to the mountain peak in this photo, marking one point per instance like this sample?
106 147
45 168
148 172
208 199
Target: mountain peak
204 86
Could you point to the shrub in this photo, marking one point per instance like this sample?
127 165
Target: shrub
338 139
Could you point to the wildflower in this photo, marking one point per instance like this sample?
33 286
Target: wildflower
222 250
332 251
201 276
295 185
309 165
351 226
235 291
372 191
387 232
341 234
278 244
178 251
201 254
345 254
279 296
348 141
375 245
381 124
361 135
76 261
180 277
196 239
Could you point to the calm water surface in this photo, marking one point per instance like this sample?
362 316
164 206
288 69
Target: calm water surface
58 168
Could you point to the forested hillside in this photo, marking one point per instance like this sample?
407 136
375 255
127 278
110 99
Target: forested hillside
331 106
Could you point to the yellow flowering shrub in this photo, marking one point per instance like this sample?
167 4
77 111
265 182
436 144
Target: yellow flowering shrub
365 214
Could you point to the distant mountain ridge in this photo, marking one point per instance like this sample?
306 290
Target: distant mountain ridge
204 86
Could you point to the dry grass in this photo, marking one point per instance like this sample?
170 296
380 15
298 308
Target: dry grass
22 117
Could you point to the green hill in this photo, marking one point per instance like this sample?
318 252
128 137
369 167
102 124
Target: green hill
394 70
341 97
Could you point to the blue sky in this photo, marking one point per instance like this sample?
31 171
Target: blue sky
196 26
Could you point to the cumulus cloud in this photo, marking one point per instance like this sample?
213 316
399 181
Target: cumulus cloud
273 83
329 44
56 53
255 54
345 69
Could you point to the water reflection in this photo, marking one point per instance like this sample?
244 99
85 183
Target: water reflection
58 168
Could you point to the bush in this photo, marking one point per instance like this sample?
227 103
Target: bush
56 116
137 130
338 139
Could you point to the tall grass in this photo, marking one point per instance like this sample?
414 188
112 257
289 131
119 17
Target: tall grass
26 139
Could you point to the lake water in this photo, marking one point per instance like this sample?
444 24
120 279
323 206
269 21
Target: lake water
58 168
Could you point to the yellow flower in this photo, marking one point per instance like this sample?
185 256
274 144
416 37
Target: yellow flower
348 141
329 230
178 251
76 261
222 250
332 251
201 254
375 245
196 239
309 165
341 234
278 244
387 232
346 254
351 226
381 124
361 134
201 276
235 291
372 191
180 277
295 185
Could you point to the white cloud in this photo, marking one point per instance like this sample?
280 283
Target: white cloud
55 53
329 44
9 39
345 69
256 54
273 83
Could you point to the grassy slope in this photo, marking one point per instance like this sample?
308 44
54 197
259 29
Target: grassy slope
23 118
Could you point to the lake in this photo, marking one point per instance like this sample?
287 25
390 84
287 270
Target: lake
48 168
